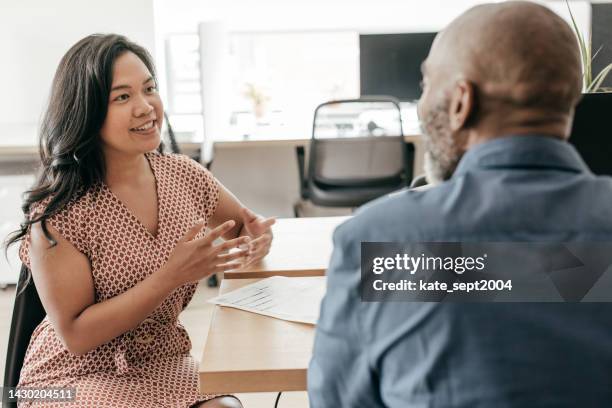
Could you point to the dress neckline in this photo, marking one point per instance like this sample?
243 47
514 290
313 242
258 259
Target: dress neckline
129 212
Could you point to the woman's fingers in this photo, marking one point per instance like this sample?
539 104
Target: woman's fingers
216 233
266 223
232 243
193 231
261 225
230 256
258 243
254 223
248 216
258 249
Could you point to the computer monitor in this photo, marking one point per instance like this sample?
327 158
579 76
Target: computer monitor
592 132
390 64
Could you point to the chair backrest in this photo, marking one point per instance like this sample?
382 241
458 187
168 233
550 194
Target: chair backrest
28 312
354 162
174 147
358 143
419 181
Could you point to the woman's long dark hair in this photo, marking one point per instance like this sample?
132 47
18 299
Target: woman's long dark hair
70 149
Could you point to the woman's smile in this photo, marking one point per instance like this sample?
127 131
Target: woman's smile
147 128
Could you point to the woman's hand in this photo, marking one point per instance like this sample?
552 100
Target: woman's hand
258 229
195 259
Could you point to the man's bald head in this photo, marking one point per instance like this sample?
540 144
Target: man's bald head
516 52
498 69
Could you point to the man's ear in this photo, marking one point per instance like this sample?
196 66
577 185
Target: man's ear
462 104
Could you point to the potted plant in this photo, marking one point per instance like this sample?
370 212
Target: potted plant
590 84
257 98
590 134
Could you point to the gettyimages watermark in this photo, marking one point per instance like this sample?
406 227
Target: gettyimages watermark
486 272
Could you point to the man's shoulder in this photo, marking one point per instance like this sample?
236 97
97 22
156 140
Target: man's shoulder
403 215
473 206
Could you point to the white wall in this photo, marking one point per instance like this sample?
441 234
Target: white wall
360 15
271 15
365 16
34 34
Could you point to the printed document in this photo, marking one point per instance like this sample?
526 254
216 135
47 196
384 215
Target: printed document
292 299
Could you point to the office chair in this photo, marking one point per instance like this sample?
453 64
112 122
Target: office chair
357 153
418 181
28 312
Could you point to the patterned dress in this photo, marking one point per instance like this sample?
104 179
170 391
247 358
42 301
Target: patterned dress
149 366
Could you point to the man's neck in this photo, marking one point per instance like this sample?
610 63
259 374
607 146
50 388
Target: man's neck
493 129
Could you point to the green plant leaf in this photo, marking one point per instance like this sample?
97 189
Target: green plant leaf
597 52
585 52
600 78
590 59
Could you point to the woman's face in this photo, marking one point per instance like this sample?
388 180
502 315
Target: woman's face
135 111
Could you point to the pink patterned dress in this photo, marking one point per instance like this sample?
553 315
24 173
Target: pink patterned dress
149 366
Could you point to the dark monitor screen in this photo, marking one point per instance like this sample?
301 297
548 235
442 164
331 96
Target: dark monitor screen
592 132
390 64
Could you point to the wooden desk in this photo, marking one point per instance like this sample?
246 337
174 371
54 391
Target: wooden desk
301 247
247 352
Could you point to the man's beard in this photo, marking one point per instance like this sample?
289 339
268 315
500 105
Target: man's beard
441 151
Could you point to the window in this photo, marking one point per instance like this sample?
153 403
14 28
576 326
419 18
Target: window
184 104
275 81
278 79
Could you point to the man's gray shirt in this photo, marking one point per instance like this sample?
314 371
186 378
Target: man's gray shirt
402 354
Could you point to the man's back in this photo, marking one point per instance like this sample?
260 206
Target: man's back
402 354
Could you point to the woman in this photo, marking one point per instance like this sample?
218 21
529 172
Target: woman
114 238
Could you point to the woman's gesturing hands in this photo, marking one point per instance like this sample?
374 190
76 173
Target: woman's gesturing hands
194 259
258 229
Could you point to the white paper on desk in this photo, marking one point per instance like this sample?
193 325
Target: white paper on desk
293 299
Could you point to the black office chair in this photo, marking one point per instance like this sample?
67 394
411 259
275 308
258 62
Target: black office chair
418 181
28 312
357 153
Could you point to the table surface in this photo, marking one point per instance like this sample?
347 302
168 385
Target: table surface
247 352
301 247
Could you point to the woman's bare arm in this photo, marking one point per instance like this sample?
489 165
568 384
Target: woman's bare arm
228 208
65 285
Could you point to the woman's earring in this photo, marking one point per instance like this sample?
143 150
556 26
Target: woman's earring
76 159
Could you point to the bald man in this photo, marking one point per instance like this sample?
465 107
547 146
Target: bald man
500 86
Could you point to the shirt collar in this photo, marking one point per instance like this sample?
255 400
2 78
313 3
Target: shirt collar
522 151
